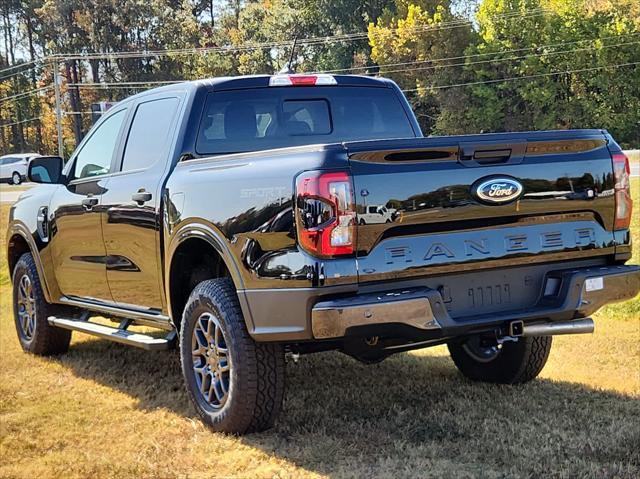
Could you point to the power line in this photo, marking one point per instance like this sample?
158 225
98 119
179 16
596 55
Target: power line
524 77
134 84
474 55
499 60
17 96
151 82
20 65
86 112
20 122
268 45
306 41
125 84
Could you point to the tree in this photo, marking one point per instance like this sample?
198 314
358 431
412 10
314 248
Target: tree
422 49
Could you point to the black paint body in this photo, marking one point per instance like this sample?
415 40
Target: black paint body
483 258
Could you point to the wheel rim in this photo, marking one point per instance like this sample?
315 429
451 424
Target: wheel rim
16 178
480 352
26 307
211 361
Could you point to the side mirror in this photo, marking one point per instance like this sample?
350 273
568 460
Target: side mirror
46 169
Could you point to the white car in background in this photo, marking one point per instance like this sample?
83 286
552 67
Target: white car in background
13 168
377 214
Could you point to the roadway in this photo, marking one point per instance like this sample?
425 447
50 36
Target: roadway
10 193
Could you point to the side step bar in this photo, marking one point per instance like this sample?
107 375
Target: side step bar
118 335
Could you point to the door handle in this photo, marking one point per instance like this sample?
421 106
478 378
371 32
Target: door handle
141 197
89 202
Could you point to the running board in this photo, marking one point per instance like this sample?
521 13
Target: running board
118 335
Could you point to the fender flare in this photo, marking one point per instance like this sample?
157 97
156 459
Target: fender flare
21 230
199 229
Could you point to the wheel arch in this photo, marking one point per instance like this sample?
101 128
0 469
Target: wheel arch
196 252
20 242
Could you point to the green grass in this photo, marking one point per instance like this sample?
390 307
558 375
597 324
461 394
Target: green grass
104 410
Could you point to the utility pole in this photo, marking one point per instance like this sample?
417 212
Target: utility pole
56 85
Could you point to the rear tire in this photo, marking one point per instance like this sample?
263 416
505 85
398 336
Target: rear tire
513 363
16 179
31 311
235 384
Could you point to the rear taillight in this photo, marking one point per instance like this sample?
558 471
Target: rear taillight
325 213
302 80
624 203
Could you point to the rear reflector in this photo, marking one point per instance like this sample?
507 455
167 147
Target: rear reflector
624 203
302 80
325 213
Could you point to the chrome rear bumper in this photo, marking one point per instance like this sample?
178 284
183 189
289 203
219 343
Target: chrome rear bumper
410 307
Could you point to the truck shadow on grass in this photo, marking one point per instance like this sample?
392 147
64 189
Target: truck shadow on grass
410 415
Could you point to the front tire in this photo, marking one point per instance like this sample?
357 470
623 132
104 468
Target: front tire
31 311
511 363
235 384
16 179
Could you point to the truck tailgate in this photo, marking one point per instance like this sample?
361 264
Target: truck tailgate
449 204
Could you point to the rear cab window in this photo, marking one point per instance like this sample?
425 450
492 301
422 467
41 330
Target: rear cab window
255 119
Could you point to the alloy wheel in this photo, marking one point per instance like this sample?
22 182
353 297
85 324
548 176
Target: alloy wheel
211 360
26 307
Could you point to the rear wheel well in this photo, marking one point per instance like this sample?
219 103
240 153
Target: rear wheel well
16 248
194 261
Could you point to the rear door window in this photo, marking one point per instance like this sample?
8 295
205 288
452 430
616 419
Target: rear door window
263 118
149 134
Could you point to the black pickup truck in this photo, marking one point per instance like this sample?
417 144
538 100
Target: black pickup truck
257 216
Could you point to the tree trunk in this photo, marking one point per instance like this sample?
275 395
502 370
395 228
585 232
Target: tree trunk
73 100
5 34
95 70
8 29
34 84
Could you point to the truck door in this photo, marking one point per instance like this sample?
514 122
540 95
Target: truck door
78 252
132 222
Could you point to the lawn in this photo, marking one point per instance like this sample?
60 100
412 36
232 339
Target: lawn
104 410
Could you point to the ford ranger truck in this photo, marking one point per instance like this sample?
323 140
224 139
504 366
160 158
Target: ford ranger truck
223 215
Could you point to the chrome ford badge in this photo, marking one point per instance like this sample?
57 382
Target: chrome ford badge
497 190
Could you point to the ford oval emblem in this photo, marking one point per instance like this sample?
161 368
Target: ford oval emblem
497 190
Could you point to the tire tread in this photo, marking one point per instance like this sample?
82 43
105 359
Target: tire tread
261 382
518 362
48 340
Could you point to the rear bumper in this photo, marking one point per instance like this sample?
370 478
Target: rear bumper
566 295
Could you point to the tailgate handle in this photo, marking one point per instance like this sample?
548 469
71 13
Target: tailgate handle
492 156
483 154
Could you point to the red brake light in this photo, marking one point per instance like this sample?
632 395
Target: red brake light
624 203
302 80
325 213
